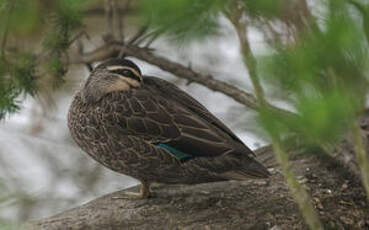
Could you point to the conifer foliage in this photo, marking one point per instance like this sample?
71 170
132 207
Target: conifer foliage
21 67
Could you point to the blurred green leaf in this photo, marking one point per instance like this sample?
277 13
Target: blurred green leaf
70 12
66 18
57 69
59 18
323 119
16 78
24 73
23 16
8 95
364 10
324 76
264 8
184 20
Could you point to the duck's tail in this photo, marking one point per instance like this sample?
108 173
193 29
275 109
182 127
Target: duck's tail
251 169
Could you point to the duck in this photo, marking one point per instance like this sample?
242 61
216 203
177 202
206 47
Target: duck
148 128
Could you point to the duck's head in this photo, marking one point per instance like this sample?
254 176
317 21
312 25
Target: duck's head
112 75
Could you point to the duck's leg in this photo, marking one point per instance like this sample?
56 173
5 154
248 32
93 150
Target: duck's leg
143 194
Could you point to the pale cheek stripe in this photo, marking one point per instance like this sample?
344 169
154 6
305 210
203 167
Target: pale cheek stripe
115 67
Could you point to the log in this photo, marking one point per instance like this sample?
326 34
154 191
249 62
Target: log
255 204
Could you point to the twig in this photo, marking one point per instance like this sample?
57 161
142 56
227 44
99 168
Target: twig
152 39
120 22
275 36
298 192
6 29
102 12
361 156
152 36
120 16
78 36
115 19
235 16
364 10
109 17
145 36
138 35
133 40
80 50
357 5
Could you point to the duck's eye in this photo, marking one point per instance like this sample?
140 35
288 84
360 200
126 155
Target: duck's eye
126 73
123 72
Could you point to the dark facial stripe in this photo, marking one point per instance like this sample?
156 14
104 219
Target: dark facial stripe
120 62
126 73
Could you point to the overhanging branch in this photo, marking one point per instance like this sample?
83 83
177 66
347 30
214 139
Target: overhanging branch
112 49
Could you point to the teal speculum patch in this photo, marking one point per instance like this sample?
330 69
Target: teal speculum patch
178 154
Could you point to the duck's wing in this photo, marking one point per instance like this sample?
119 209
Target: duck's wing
172 92
162 114
177 122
